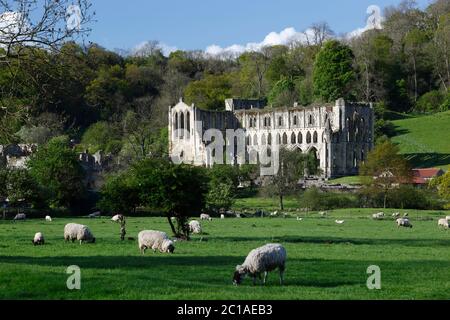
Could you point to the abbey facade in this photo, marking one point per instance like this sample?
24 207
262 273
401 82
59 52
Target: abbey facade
339 135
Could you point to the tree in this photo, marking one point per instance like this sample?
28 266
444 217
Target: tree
414 43
292 166
56 168
119 194
27 29
210 92
442 184
221 196
177 190
385 169
333 72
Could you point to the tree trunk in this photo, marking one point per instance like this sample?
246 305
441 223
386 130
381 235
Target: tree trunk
415 79
171 225
281 202
385 199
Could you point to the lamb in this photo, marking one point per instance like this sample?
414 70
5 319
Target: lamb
403 222
340 221
262 260
443 223
405 215
155 240
38 239
222 216
322 214
205 216
79 232
378 216
20 216
195 227
48 218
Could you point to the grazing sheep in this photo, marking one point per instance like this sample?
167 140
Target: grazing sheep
155 240
117 218
340 221
405 215
262 260
195 227
48 218
403 222
299 219
447 218
378 216
322 214
20 216
222 216
396 215
79 232
205 216
38 239
443 223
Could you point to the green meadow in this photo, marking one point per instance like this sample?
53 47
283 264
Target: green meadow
325 260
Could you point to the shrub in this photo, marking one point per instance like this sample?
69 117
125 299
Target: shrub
430 101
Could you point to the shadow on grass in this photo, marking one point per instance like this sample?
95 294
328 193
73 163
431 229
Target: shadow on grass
211 271
428 160
350 241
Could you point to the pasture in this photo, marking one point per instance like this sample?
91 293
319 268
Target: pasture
325 260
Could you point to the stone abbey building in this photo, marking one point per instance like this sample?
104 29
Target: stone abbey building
340 135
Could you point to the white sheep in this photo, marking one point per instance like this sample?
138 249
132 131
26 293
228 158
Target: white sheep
20 216
299 219
262 260
38 239
340 221
205 216
443 223
403 222
405 215
79 232
447 218
396 215
378 216
222 216
48 218
195 227
155 240
322 214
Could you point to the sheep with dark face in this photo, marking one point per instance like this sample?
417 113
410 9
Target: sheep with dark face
155 240
403 222
262 260
38 239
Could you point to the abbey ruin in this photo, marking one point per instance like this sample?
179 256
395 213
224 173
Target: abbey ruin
340 135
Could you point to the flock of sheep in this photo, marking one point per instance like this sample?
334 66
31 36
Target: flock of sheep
257 264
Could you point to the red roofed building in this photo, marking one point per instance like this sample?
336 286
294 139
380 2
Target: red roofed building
421 177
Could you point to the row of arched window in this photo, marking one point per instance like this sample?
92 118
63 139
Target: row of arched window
182 124
284 139
267 121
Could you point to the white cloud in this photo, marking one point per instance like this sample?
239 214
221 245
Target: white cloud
10 22
285 37
374 21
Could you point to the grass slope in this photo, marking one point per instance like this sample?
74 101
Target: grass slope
325 260
425 140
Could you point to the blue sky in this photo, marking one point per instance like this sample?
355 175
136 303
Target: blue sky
197 24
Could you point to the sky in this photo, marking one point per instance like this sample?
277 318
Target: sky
218 24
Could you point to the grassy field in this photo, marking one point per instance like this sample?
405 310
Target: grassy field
425 140
325 260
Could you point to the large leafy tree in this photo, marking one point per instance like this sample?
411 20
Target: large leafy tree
177 190
385 169
210 92
56 168
333 71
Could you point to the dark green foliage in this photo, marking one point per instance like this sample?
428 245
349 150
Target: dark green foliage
56 169
333 72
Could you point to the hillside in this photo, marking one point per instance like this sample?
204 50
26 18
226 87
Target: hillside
425 140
